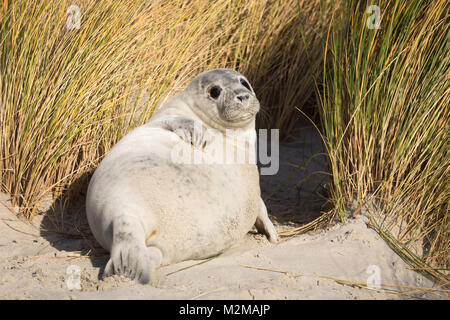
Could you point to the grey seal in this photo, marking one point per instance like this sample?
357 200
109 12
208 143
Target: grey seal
148 210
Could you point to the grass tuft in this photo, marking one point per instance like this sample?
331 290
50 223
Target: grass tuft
386 122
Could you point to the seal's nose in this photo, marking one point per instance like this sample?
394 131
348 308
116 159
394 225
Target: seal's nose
243 97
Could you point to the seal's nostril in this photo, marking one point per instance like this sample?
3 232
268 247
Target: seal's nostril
243 97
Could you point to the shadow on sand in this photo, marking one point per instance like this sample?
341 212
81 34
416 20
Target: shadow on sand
66 227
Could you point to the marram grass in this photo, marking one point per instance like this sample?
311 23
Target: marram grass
67 96
386 120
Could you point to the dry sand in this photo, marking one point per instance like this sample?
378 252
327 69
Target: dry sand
34 264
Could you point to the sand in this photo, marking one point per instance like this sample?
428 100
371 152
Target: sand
338 262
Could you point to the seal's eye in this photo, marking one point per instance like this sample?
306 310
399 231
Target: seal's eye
245 84
215 91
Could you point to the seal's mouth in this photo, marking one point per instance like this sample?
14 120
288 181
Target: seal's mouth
238 113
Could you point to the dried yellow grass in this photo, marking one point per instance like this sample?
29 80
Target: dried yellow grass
67 96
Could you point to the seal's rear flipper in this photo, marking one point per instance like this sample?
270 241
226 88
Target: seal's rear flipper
129 254
264 225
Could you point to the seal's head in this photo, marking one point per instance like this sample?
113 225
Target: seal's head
223 98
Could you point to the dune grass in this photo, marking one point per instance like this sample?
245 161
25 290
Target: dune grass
67 96
386 120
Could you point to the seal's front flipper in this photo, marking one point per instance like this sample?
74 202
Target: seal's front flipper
189 130
264 225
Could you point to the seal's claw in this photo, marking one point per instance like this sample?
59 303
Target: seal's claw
109 269
201 138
